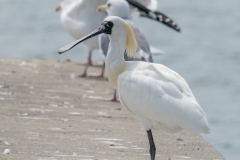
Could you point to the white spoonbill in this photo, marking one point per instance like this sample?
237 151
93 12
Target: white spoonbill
155 95
79 18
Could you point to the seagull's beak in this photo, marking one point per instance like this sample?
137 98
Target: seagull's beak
100 30
101 8
58 8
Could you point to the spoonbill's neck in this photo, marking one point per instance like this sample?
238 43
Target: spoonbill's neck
115 63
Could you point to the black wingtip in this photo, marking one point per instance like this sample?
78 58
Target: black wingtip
155 15
161 17
179 30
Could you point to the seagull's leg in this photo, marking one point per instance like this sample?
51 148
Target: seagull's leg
84 74
89 63
103 69
152 145
101 74
114 99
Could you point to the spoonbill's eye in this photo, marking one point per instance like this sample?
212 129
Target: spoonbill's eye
109 24
109 4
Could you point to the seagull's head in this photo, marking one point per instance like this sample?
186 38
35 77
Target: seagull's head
64 4
116 28
118 8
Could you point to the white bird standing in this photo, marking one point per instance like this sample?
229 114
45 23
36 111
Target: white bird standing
121 9
79 18
155 95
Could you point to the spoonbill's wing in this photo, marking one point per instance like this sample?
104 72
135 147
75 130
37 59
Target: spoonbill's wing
160 99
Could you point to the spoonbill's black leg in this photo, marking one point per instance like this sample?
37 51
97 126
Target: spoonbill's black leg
152 145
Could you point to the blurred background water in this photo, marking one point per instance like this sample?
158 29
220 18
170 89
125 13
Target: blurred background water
206 53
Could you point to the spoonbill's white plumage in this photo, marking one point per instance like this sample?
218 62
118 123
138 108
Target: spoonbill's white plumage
155 95
79 17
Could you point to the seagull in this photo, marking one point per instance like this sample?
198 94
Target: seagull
156 96
121 9
79 17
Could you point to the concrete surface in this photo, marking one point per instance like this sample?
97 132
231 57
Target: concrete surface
46 114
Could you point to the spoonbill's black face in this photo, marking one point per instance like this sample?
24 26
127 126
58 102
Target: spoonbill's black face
108 27
105 27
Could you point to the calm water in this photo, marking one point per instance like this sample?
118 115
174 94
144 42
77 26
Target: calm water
206 54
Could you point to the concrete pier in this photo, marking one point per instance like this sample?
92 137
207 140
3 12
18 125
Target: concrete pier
47 114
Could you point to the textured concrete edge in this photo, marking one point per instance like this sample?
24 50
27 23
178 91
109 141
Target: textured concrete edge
32 63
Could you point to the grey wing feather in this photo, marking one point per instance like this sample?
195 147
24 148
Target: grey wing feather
104 43
144 53
143 45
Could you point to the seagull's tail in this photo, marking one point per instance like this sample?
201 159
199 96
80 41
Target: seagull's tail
160 17
156 51
155 15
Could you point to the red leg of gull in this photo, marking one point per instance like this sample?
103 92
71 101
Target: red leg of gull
90 59
89 62
84 74
99 75
114 99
